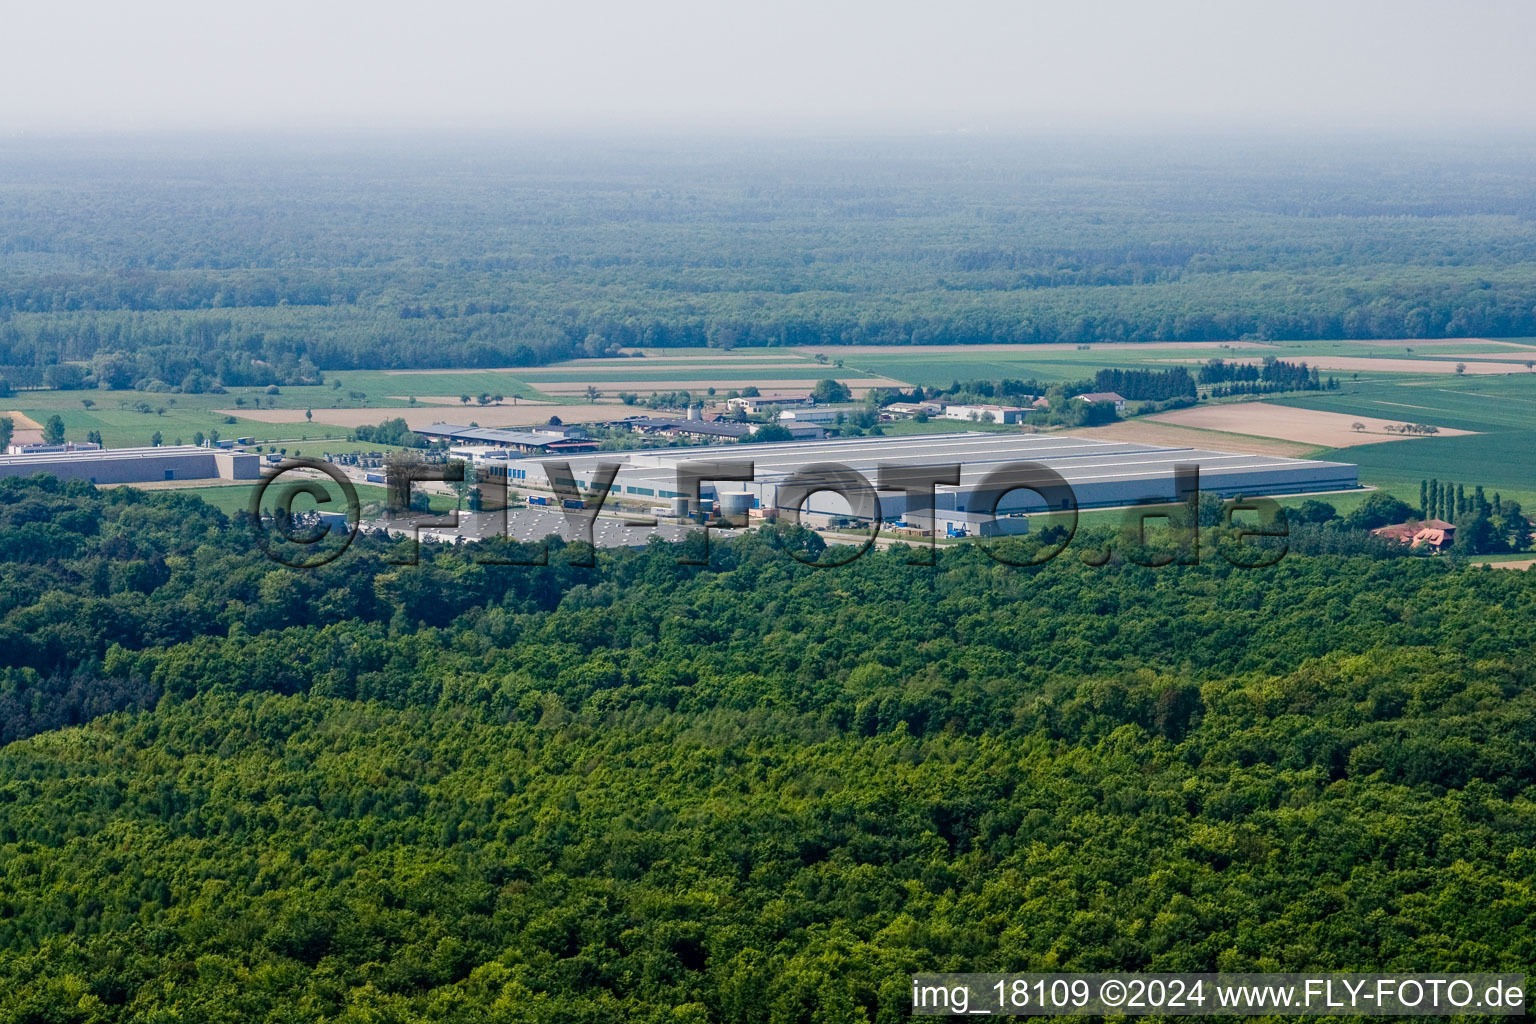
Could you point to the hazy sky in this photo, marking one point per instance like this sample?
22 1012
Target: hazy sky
1019 66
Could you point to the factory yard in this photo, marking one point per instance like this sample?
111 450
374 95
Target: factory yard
1307 426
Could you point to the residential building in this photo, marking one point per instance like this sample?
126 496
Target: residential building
1433 533
1094 397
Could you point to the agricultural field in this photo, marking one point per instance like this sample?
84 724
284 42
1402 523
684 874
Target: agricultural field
939 365
356 397
1292 423
1499 462
120 428
1496 409
1503 403
1500 456
932 366
645 371
417 417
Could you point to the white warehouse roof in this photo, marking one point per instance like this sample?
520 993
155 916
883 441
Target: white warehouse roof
1101 472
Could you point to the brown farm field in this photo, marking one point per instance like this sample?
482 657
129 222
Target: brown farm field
22 421
1308 426
27 430
1146 431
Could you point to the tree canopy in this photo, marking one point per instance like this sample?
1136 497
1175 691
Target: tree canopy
753 791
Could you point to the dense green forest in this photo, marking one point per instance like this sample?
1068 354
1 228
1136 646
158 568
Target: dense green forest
259 261
749 792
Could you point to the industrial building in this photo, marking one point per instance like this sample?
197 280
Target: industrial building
530 524
822 414
535 440
965 524
754 404
986 413
136 465
1101 473
48 449
693 426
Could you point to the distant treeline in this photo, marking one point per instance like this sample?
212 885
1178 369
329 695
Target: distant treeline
246 268
1147 385
1273 375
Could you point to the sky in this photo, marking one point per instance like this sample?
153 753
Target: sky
973 65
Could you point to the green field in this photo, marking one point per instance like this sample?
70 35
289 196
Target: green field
930 368
1501 456
1028 362
693 374
232 498
1502 409
1488 403
940 371
1498 462
128 429
380 385
113 413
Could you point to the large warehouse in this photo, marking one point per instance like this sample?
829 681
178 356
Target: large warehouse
136 465
1101 473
